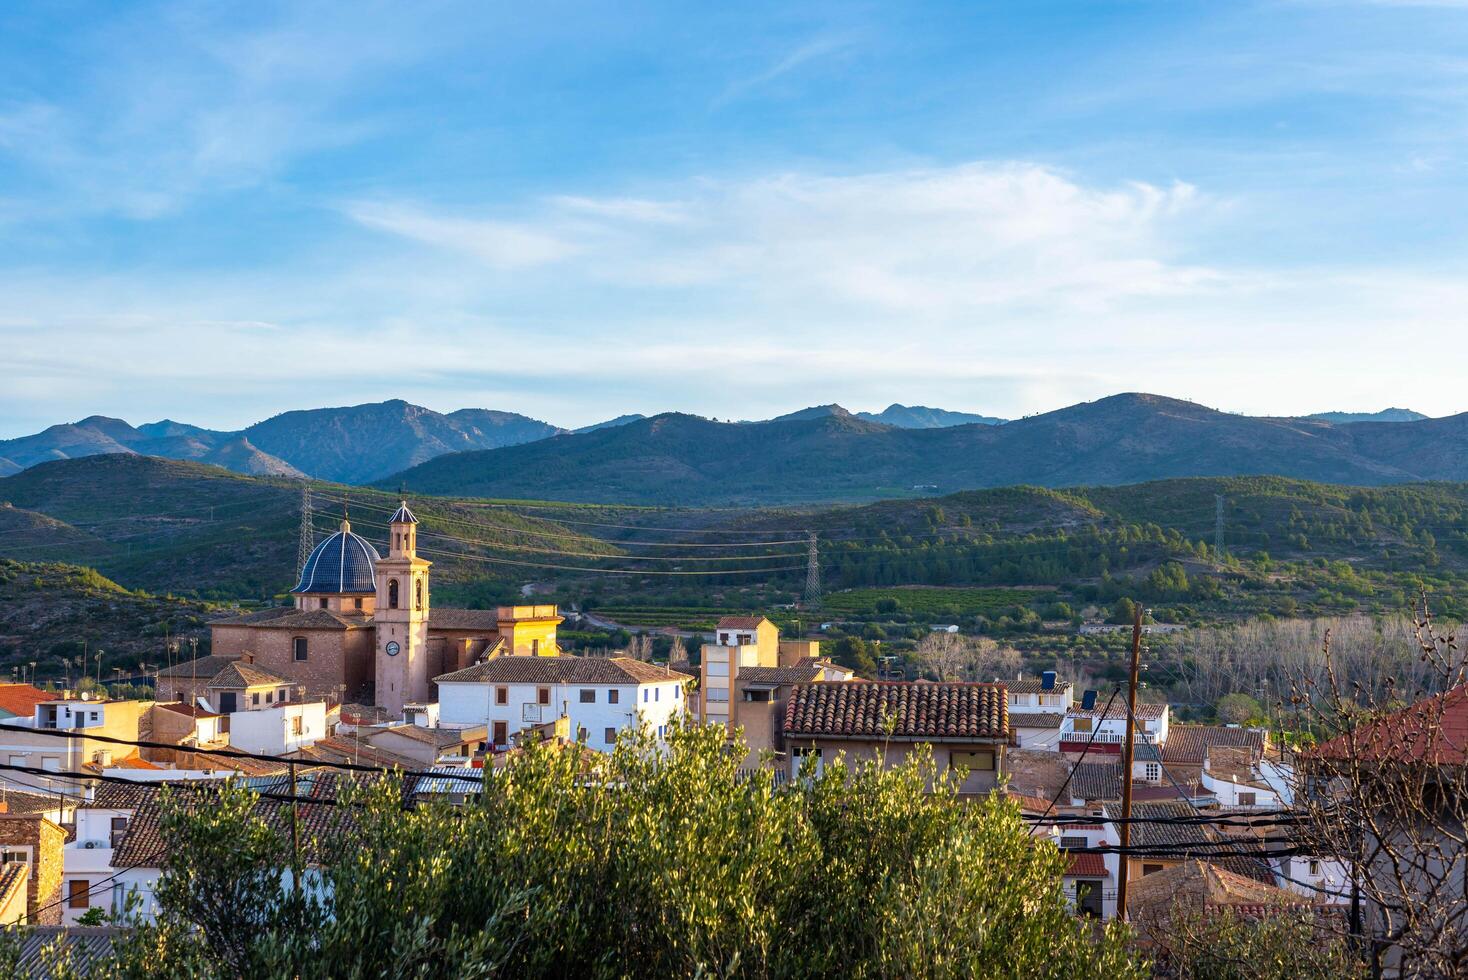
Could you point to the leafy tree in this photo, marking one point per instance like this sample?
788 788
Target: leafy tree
1194 944
642 862
1123 611
1238 709
851 651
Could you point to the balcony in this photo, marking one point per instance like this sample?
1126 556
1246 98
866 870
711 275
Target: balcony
78 858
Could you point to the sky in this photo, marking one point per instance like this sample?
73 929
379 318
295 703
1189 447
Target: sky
215 212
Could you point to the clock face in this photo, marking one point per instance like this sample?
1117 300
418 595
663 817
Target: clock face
393 648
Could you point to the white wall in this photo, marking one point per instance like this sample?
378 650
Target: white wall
1228 791
473 703
269 730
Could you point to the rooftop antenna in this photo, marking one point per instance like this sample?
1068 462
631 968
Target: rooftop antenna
307 542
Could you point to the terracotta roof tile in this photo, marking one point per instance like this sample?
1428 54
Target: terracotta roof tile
561 670
1096 781
464 619
21 699
804 671
1034 685
1204 884
203 668
1189 743
1434 730
289 617
908 711
239 675
1146 711
740 623
1086 866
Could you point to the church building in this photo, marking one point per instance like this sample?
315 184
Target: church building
362 627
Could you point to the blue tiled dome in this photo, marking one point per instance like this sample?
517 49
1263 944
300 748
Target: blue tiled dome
342 563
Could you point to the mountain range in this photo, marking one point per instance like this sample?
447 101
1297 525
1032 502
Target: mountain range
354 444
826 455
820 453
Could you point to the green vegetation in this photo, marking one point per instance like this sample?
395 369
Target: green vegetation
663 865
948 604
55 616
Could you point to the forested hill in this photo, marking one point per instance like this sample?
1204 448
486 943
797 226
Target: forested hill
683 460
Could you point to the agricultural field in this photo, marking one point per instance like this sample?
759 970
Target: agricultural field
933 603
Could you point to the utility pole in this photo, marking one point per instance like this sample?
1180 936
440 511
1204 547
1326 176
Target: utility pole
307 541
295 838
813 575
1128 752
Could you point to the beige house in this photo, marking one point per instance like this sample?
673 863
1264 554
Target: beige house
44 749
746 675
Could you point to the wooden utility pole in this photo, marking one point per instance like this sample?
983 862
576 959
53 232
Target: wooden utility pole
295 837
1127 754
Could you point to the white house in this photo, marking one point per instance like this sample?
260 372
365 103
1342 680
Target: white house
1235 775
601 696
278 730
1104 729
1037 707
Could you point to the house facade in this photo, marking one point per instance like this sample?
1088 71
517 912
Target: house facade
600 696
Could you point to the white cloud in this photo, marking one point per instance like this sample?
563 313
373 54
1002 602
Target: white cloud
940 241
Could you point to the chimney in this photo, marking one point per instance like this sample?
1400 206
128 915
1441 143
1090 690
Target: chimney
4 806
248 658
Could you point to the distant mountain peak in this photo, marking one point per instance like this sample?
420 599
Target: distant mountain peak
1385 415
923 417
814 412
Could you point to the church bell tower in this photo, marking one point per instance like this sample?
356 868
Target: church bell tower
401 616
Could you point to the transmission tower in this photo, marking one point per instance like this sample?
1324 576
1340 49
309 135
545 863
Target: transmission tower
1218 527
307 541
813 576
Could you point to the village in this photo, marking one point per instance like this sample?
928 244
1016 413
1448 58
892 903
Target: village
362 674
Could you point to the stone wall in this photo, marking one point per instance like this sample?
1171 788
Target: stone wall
44 840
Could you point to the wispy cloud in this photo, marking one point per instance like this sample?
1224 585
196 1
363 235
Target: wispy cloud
797 57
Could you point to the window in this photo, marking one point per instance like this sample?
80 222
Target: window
96 715
418 593
357 603
255 699
322 600
542 696
299 647
756 695
973 761
502 695
13 856
1247 799
613 696
1153 772
269 697
119 824
1070 842
392 593
611 736
535 648
645 693
78 892
718 694
657 694
1150 869
1080 724
284 694
1314 867
501 733
588 696
296 728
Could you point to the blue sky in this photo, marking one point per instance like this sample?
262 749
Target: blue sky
215 212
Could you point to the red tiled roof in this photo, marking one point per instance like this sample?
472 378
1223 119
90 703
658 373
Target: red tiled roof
21 699
1085 866
132 762
740 623
1147 711
520 669
193 711
907 711
1190 743
1433 730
